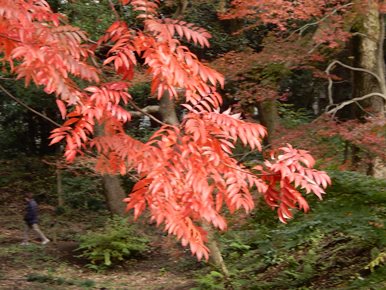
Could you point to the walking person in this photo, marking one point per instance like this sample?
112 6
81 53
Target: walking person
31 220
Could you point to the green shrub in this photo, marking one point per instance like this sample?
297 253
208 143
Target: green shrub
115 242
213 280
292 117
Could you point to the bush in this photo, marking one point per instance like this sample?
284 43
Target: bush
115 242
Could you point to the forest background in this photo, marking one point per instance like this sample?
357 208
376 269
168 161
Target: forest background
314 79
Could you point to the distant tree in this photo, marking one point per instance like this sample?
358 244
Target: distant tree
327 37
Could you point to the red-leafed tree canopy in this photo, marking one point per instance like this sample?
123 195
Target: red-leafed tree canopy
187 173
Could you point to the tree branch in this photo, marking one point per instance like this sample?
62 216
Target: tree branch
28 107
330 84
114 10
147 112
306 26
341 105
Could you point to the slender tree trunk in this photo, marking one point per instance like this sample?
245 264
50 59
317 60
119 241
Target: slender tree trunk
59 184
221 6
167 110
169 116
215 252
181 8
114 194
269 117
112 188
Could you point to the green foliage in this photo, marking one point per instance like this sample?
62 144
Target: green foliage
140 93
304 88
223 39
375 281
115 242
93 17
324 249
211 281
142 128
269 75
292 117
83 190
273 73
379 260
23 131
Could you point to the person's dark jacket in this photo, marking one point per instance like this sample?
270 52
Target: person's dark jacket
31 215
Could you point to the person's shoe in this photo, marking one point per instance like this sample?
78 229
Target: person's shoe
45 242
24 244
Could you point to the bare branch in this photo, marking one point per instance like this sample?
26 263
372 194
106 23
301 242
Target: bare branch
330 84
112 7
341 105
306 26
331 65
28 107
146 110
146 113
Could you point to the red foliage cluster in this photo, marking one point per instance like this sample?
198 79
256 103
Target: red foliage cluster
187 172
39 48
288 14
370 136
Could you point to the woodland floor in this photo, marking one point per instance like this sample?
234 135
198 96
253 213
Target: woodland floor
54 266
329 248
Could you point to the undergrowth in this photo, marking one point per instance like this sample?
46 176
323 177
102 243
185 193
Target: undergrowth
338 245
112 244
53 280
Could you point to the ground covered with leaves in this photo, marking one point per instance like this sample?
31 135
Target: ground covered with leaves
57 265
340 244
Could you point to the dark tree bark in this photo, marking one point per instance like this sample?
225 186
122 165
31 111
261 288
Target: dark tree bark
268 117
369 55
112 188
114 194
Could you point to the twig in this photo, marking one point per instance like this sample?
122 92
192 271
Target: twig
248 172
306 26
28 107
114 10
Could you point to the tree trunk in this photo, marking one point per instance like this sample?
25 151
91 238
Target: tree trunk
169 116
369 55
59 184
221 6
167 110
181 8
112 188
215 252
114 194
269 117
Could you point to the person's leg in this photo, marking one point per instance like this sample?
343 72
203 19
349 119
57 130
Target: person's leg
40 233
26 234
